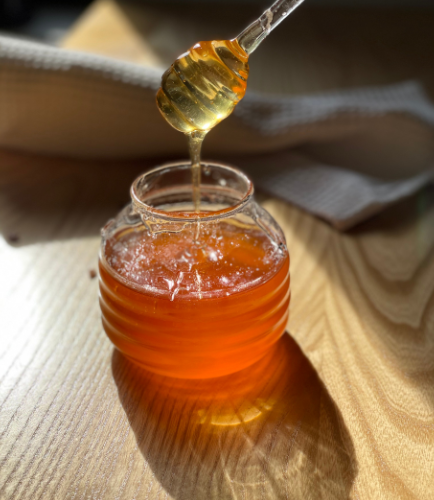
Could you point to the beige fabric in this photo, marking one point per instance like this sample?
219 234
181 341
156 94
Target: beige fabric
358 151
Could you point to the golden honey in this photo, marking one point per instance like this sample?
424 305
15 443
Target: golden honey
203 86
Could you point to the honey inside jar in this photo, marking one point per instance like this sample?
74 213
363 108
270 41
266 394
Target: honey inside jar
194 295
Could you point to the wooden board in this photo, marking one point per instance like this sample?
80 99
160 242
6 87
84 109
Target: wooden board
348 413
343 408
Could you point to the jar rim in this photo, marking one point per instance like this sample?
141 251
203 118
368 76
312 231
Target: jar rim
143 207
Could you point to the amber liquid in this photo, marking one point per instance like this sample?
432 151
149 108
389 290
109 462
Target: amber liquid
195 140
203 86
201 89
192 310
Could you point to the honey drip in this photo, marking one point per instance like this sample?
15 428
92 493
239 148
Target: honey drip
203 86
195 140
201 89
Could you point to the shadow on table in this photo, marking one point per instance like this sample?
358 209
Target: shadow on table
45 198
270 431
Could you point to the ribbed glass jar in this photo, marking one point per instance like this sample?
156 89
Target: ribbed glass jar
194 294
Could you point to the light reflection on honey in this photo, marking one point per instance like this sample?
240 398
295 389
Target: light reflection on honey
253 434
233 400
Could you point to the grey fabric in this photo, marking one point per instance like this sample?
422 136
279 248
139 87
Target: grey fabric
275 115
357 150
341 196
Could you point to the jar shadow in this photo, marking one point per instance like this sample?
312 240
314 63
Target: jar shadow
269 431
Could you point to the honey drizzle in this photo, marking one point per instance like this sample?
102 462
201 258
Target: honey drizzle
195 140
203 86
201 89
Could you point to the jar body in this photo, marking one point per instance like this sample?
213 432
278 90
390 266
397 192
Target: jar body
194 295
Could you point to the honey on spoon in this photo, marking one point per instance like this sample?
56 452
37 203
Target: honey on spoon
203 86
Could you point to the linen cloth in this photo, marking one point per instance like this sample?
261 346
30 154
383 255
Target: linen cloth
341 155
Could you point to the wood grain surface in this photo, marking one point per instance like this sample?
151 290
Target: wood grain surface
342 408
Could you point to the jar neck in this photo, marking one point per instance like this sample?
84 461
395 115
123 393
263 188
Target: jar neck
166 194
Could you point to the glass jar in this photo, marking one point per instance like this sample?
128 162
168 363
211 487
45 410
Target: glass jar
194 294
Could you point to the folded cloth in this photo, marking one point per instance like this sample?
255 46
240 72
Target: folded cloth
358 150
341 196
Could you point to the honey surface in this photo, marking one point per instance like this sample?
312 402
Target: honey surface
225 260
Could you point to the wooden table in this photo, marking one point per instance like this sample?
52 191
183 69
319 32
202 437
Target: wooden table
343 408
